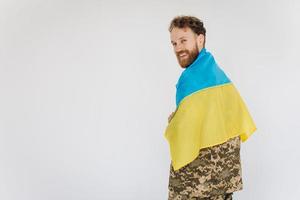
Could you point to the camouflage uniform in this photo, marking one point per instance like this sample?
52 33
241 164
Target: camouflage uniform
214 175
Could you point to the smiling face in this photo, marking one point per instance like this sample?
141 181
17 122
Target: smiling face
186 45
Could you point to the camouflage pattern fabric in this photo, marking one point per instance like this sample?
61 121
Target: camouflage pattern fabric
214 175
227 196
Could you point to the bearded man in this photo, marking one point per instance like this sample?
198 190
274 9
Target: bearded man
209 123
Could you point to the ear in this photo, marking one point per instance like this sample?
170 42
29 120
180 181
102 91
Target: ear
200 40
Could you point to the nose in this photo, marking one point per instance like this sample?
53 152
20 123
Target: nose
178 48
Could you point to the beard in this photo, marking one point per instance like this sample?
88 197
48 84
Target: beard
185 61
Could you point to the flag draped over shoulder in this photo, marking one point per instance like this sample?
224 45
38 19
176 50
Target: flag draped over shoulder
209 111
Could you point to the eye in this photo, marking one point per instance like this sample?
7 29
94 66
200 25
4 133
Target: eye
184 40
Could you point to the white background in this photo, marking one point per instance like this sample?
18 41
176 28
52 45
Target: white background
86 88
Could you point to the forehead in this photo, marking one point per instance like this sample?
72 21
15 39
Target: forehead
178 33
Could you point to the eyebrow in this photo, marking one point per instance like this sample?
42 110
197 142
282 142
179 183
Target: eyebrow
178 38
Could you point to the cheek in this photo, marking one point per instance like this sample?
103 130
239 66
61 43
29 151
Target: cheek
189 46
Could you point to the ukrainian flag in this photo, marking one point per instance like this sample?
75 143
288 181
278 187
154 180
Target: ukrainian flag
209 111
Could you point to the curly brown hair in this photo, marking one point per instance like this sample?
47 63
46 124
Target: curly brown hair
192 22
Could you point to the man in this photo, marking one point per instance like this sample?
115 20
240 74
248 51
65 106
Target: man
206 129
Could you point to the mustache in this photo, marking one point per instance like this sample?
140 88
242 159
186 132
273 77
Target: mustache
180 52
